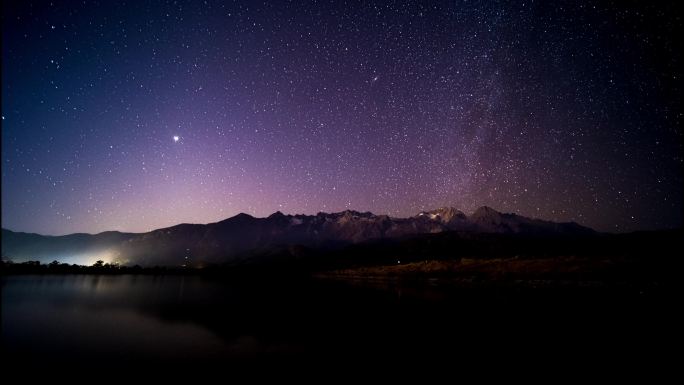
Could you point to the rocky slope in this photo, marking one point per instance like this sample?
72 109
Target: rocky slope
243 236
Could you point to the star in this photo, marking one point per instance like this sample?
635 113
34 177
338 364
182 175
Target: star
464 116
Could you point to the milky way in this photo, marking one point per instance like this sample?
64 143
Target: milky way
138 115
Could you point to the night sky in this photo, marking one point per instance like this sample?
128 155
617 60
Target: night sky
137 115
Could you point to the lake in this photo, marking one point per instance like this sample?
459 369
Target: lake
178 322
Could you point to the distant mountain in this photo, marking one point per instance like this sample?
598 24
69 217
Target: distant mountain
242 237
72 248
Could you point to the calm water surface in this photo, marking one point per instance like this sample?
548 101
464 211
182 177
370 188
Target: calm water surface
194 321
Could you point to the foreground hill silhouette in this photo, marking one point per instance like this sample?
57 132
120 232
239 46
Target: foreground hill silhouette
240 239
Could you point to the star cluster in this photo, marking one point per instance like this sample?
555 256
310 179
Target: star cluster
142 114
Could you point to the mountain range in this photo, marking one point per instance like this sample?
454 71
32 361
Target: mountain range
242 237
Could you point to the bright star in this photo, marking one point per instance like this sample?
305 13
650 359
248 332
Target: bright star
176 138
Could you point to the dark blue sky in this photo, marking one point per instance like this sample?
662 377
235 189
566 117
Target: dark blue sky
557 110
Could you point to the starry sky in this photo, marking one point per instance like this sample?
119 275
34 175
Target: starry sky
135 115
